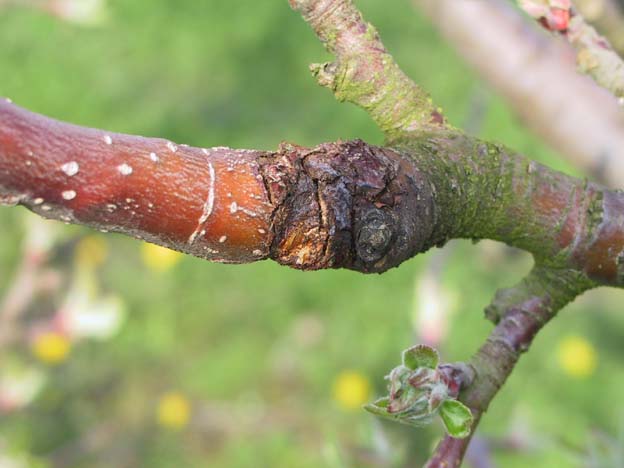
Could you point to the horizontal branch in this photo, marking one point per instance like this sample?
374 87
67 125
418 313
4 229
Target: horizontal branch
211 203
346 205
338 205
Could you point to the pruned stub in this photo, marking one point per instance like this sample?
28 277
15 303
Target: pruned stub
346 205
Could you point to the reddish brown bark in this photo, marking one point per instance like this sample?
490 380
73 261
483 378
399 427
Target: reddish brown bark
211 203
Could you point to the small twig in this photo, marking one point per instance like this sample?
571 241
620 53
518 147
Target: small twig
364 73
520 312
608 18
595 56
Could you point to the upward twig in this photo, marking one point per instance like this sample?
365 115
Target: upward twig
364 73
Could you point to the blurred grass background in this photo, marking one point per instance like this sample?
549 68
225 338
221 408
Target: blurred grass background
258 365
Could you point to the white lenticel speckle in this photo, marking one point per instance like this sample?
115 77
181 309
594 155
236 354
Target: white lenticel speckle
257 252
124 169
38 201
70 168
233 207
222 239
154 157
172 147
261 231
69 194
108 140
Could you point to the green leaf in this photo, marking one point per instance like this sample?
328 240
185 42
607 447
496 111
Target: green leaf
379 407
420 356
457 418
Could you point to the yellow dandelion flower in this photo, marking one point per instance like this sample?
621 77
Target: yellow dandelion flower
51 348
173 411
576 356
91 251
351 390
159 258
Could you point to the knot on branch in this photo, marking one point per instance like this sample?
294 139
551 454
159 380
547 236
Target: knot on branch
346 205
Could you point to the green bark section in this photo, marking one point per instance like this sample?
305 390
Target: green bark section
364 73
483 190
521 312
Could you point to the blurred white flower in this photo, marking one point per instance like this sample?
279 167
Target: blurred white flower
19 386
432 306
82 12
40 236
99 319
85 313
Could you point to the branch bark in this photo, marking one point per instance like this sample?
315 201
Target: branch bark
608 17
339 205
595 55
364 73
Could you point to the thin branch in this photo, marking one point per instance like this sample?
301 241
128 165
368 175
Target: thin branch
595 56
364 73
537 76
521 312
608 18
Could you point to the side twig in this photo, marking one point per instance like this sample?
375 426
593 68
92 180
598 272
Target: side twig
595 56
364 73
608 18
520 312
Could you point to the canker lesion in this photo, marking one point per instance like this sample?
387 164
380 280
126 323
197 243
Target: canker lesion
346 205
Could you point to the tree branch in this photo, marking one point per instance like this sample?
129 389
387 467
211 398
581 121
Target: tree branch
348 205
364 73
338 205
608 17
521 312
595 56
211 203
